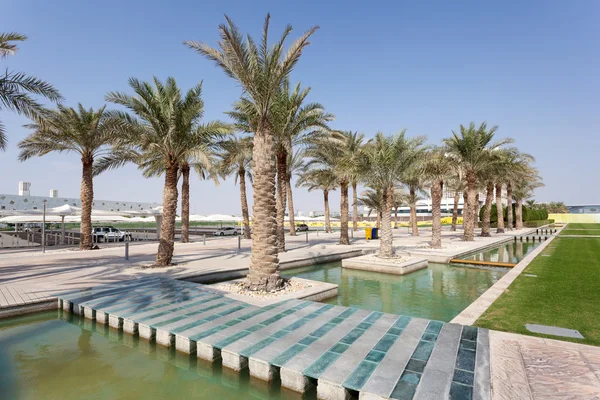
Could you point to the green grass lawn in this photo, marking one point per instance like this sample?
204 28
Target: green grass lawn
566 292
582 226
568 232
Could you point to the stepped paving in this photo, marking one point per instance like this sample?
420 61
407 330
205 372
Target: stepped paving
344 351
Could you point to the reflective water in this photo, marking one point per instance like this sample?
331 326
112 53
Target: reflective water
47 356
438 292
510 252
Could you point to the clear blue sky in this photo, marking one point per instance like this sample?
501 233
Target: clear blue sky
530 67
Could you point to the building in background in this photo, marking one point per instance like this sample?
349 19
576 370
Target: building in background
24 201
585 209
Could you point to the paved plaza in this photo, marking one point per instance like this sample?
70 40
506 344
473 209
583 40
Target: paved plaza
520 366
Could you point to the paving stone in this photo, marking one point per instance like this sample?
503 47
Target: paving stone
554 330
439 370
384 378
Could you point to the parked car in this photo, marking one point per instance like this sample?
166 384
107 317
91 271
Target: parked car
109 234
302 228
229 231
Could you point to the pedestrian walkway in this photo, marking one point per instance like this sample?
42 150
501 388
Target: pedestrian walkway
342 350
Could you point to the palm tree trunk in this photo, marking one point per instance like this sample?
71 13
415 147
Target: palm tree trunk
519 214
291 211
487 210
413 212
469 224
244 202
354 207
455 211
87 198
476 211
386 240
395 217
167 226
509 214
281 198
437 191
185 204
344 239
378 221
326 206
264 264
465 208
499 208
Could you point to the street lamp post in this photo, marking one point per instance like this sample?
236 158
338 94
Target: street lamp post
44 229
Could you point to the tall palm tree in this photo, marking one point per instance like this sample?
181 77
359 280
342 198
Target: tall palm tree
436 168
17 89
516 164
319 179
470 148
456 184
524 188
88 133
236 159
385 159
292 122
156 134
202 146
332 152
295 164
355 144
414 180
261 70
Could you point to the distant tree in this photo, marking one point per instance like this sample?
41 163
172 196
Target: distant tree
236 159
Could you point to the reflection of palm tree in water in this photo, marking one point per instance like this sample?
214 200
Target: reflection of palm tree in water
84 343
520 250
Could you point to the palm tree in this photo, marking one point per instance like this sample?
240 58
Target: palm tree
400 198
436 168
17 88
516 164
457 185
293 122
524 188
236 159
413 179
385 159
333 153
88 133
319 179
261 70
355 144
295 164
202 146
156 134
372 198
470 148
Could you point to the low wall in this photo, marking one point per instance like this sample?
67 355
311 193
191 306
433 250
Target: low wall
576 218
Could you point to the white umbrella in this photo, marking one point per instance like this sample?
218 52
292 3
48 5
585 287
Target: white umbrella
198 218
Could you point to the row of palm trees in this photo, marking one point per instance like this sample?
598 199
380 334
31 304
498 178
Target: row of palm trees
396 169
159 128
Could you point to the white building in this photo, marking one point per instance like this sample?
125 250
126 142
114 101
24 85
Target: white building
24 201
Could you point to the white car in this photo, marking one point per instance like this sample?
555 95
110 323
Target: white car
109 234
229 231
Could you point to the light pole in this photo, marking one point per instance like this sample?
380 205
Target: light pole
44 229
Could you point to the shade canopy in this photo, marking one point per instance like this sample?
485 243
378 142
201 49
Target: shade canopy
222 218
